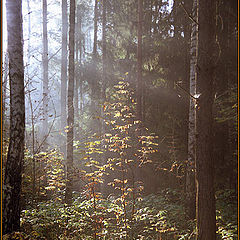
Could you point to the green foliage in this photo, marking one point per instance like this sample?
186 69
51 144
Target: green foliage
226 213
154 215
161 215
49 176
113 151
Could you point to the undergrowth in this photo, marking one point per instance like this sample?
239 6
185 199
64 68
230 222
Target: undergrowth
158 216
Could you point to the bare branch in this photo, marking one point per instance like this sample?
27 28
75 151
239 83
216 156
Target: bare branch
188 14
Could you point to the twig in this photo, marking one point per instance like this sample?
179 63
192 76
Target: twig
188 14
186 91
55 53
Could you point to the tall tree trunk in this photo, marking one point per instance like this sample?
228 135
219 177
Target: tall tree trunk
82 56
206 212
94 78
77 70
190 200
139 60
45 72
31 113
190 169
13 170
95 30
27 67
64 72
80 47
33 148
4 85
103 187
76 102
70 118
104 51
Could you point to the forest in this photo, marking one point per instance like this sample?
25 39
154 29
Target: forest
119 119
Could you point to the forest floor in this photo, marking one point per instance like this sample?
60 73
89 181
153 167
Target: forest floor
156 216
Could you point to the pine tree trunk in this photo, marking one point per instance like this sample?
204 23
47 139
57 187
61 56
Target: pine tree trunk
45 73
70 118
139 60
104 53
94 78
77 71
13 170
82 56
206 212
190 170
64 72
95 30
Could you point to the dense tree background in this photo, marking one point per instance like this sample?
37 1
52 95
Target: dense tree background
119 104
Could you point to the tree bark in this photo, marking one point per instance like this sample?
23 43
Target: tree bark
64 73
95 30
4 85
206 212
190 169
45 72
13 170
70 118
104 49
80 48
139 60
77 69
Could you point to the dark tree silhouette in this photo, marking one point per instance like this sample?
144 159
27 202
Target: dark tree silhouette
206 212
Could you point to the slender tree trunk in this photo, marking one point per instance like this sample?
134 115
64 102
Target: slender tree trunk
33 148
80 43
27 74
84 46
45 72
70 118
13 170
190 169
29 40
104 51
80 37
82 55
4 85
29 34
64 73
31 106
206 212
93 79
95 29
103 186
104 60
77 70
76 102
81 93
139 60
187 33
190 208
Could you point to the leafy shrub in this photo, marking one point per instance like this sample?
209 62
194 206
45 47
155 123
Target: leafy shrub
155 216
